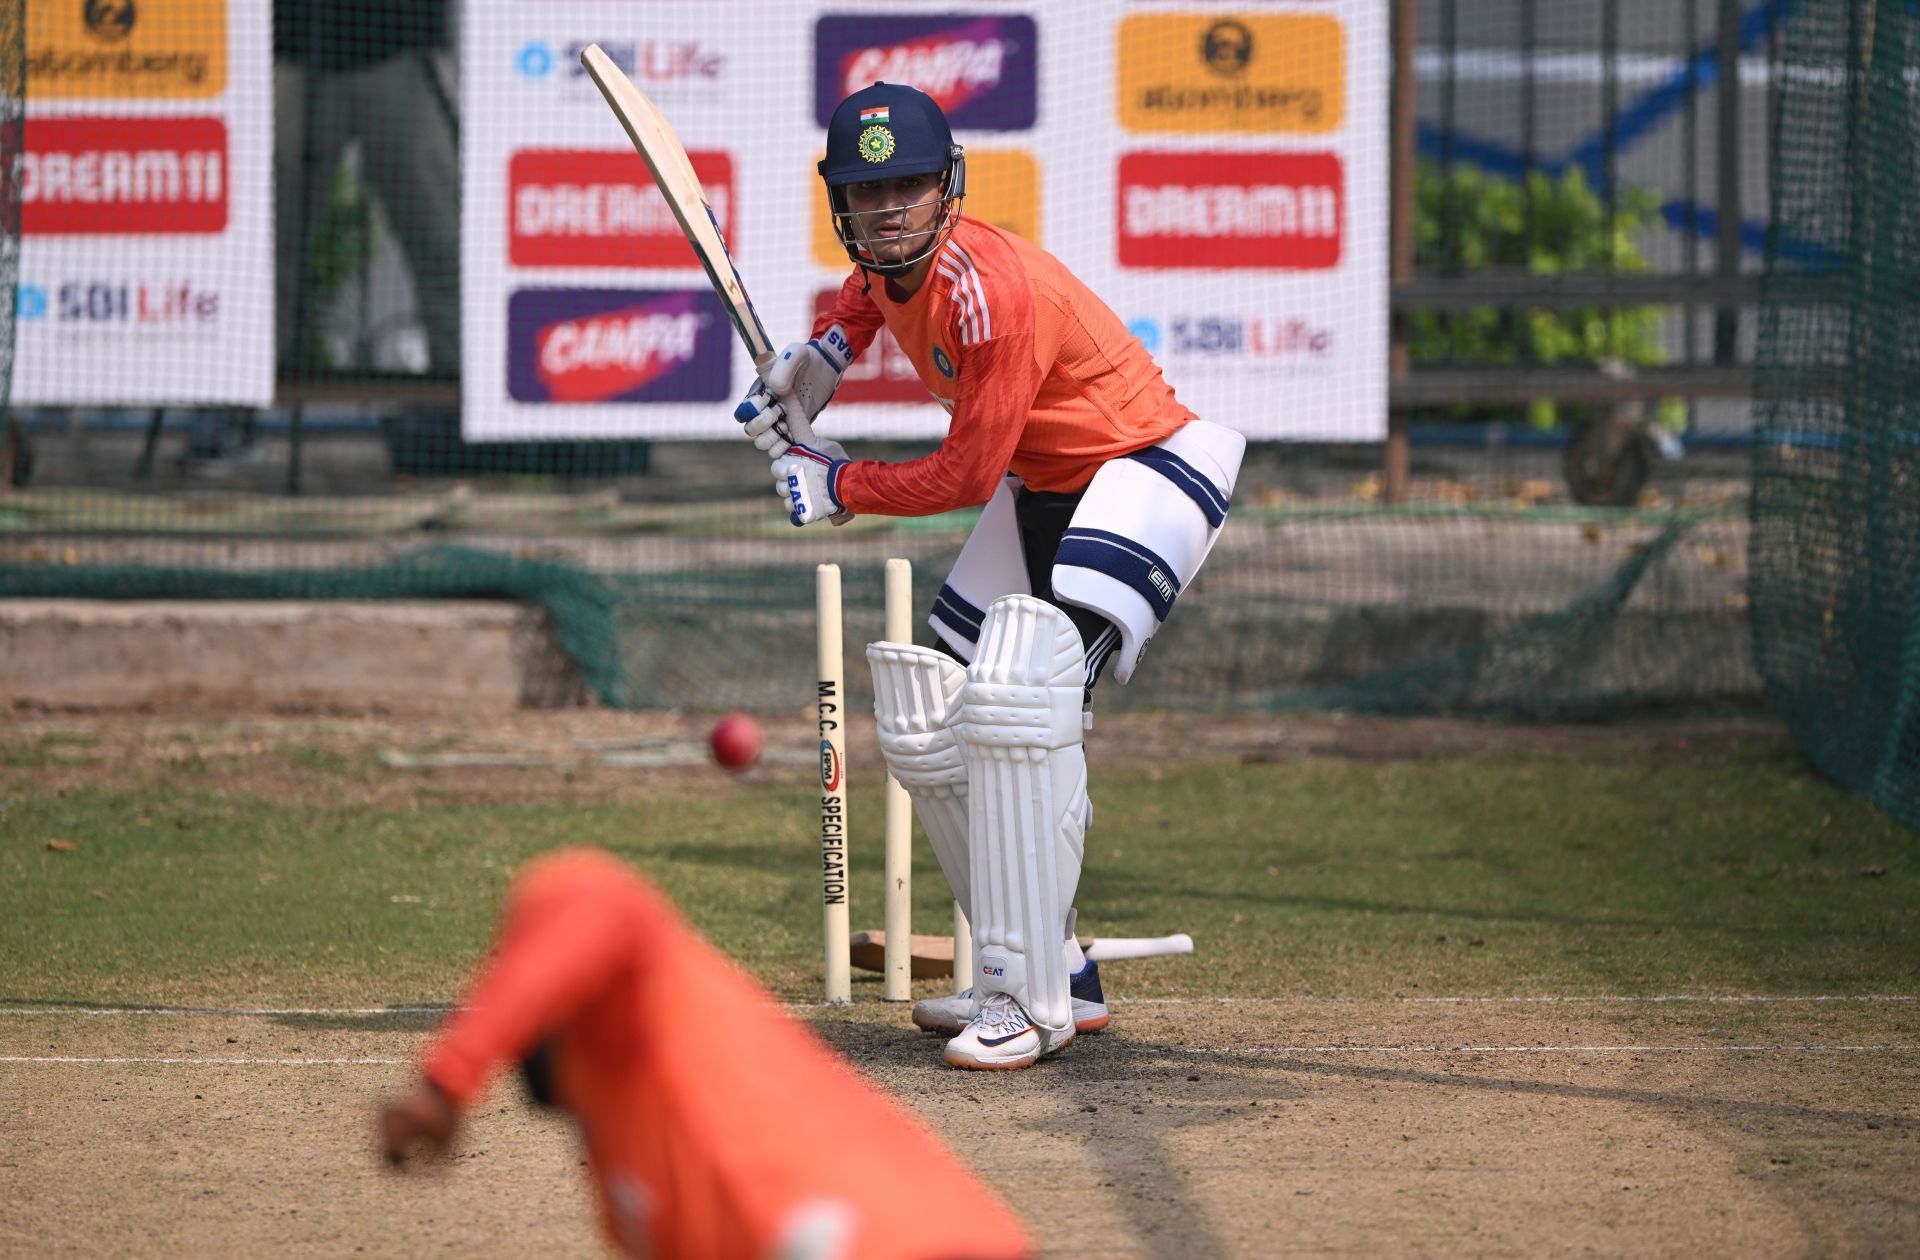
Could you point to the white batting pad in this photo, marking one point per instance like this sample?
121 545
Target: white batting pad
916 696
991 564
1019 730
1142 529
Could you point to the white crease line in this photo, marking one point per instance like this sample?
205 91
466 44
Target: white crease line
70 1058
1891 1048
1238 1051
228 1011
1560 999
377 1012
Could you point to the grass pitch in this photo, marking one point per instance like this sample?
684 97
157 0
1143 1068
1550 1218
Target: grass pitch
1459 990
296 867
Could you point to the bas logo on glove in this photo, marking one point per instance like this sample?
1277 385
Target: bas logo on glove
804 479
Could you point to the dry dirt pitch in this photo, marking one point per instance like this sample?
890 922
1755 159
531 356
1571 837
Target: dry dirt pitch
1190 1129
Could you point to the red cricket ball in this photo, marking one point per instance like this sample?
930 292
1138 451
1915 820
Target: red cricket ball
736 741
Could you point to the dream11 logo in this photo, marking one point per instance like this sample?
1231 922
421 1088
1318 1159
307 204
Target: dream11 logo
1280 211
617 345
600 208
983 72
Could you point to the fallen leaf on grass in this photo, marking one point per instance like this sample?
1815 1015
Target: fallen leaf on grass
63 846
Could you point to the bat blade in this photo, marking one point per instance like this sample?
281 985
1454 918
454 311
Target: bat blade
673 175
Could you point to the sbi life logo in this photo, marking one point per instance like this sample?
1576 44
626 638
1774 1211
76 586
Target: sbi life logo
1148 331
535 60
30 303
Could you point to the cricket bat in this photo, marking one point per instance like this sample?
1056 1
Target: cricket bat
932 956
672 171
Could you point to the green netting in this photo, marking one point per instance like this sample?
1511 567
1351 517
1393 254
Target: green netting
671 578
1836 500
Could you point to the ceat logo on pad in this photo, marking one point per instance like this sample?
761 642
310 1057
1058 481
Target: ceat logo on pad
983 71
105 176
600 208
1281 211
617 345
884 374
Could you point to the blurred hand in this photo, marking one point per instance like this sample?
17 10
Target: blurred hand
423 1116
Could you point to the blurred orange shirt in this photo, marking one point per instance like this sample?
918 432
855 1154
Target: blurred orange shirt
1041 377
716 1126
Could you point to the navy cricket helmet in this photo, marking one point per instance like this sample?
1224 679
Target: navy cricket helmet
885 131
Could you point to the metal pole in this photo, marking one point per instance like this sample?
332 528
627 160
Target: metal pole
1726 323
1396 460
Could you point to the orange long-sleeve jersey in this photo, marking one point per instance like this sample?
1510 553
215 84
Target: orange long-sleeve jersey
716 1127
1041 378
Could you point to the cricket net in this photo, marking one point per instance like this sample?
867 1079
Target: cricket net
324 375
1836 500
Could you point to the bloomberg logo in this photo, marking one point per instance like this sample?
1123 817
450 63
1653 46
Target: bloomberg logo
983 71
617 345
1281 211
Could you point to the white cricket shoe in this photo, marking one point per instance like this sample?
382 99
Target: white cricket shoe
1000 1036
948 1015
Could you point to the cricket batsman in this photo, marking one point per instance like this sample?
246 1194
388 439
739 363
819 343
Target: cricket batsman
1102 494
716 1128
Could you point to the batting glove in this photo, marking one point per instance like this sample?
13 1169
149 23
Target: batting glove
779 410
806 478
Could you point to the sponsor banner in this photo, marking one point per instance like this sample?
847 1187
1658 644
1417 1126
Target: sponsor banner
1230 210
1003 188
1233 72
116 305
657 66
600 208
1217 176
126 49
884 374
1299 344
95 176
146 205
983 70
617 345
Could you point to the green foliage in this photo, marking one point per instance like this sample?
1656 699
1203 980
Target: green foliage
341 247
1477 221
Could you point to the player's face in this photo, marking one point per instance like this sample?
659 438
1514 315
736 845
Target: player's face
894 218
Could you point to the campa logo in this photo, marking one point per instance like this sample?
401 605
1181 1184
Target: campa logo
982 71
616 345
